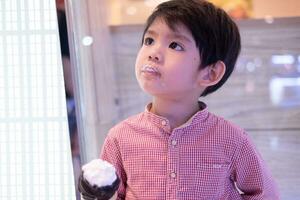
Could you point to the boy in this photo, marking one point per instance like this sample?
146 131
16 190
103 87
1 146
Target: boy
176 149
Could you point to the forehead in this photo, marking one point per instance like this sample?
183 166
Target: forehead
174 26
160 25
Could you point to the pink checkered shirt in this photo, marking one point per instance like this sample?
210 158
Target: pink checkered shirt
206 158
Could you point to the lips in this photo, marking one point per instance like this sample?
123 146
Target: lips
151 70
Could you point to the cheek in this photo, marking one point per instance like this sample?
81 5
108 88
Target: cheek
138 61
139 57
196 60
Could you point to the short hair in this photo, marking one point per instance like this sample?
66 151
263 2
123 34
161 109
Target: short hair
215 33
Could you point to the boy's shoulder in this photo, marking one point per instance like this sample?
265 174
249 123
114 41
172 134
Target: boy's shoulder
127 124
226 122
231 130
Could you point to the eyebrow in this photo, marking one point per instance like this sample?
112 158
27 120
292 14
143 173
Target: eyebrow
174 35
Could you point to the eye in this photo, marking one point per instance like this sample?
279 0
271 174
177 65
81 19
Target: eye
176 46
148 41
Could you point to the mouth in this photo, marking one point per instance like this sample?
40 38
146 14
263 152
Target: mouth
151 70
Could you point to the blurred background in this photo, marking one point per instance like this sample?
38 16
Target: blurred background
99 42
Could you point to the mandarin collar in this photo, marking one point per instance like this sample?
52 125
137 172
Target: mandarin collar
163 122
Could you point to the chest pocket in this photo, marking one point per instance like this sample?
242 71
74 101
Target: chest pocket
205 181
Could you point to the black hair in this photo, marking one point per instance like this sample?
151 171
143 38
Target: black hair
215 33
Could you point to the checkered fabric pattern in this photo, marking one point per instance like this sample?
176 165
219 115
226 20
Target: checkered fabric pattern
206 158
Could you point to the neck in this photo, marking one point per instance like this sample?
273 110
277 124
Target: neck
177 112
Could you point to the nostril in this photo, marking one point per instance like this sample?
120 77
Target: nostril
153 58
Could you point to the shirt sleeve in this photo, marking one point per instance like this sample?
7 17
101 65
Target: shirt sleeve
251 175
111 153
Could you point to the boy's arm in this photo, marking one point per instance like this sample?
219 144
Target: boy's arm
251 174
111 153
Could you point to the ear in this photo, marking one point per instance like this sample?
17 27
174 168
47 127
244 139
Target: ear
211 74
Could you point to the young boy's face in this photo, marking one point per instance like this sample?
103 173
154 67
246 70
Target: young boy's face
168 63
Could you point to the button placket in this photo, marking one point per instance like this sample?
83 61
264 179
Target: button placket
173 149
173 162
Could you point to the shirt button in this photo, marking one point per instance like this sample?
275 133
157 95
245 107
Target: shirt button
174 142
173 175
163 122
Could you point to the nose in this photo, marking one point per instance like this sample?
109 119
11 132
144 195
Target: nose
156 54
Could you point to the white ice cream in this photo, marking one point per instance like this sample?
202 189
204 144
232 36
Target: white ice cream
99 172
